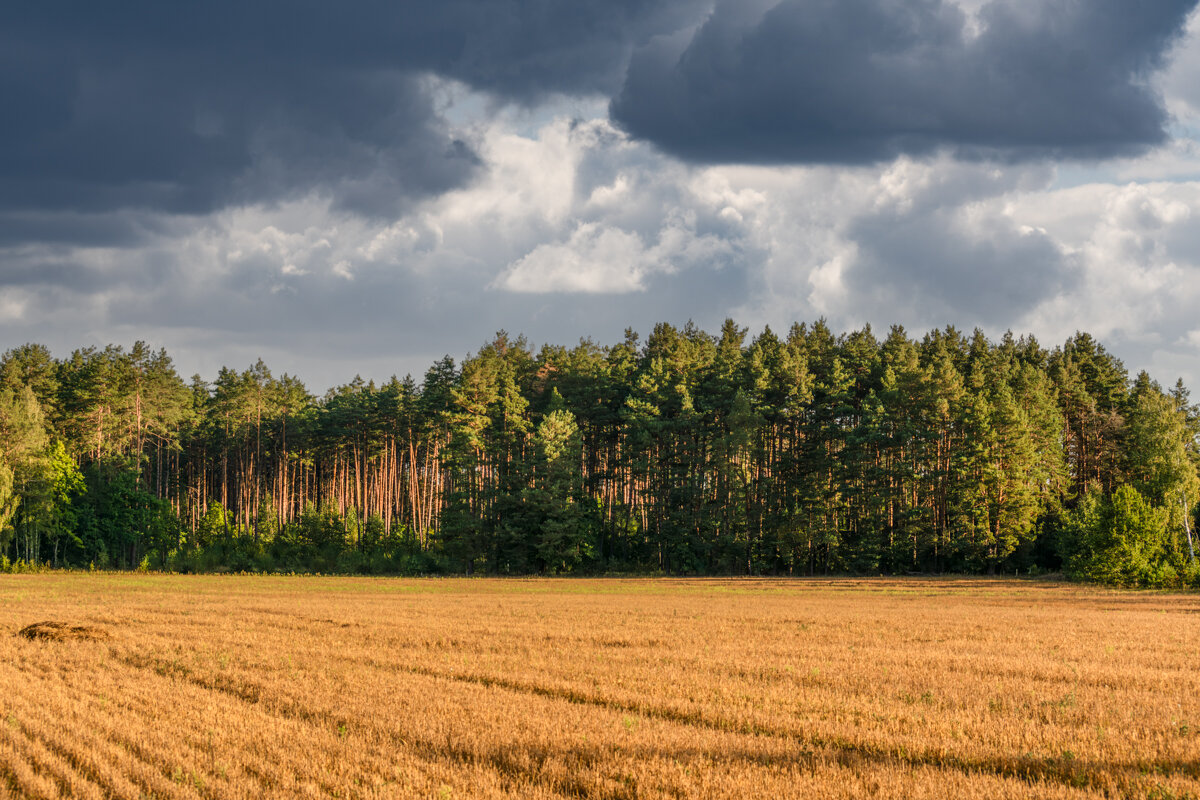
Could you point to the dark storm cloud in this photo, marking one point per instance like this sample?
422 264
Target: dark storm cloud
189 107
119 229
929 255
854 81
45 275
930 265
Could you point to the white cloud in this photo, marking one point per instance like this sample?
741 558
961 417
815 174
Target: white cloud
606 260
1180 81
595 260
12 306
1137 245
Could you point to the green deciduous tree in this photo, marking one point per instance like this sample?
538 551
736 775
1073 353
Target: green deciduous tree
1160 459
1119 541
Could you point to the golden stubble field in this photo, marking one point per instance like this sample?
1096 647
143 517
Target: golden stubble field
230 687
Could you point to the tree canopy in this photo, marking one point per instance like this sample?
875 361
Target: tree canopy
688 453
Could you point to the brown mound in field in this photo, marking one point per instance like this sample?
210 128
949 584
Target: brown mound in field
61 632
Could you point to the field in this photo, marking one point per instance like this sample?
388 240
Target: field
226 687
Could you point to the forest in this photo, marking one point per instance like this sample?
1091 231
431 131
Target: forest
688 453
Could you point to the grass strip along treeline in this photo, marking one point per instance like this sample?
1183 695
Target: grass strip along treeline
688 453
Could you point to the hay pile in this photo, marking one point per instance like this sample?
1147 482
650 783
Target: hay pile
62 632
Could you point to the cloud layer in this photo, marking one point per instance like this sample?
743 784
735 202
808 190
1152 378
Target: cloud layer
853 81
363 188
193 108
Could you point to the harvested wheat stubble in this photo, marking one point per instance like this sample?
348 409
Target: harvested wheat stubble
61 632
280 687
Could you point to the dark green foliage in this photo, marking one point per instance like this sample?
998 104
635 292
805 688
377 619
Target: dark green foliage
1122 541
118 521
685 454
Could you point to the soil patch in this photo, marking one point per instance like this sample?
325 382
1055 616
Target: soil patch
62 632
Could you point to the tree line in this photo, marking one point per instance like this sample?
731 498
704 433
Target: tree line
688 453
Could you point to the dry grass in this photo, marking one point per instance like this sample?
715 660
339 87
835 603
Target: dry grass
219 687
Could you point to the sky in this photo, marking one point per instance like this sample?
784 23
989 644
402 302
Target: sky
363 187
